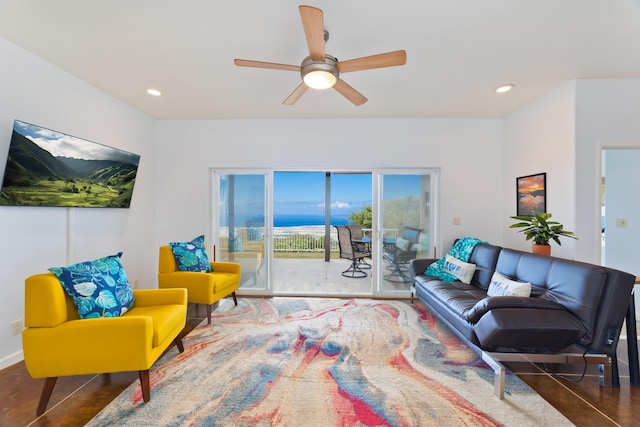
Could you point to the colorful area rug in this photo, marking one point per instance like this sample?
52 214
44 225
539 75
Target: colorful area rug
325 362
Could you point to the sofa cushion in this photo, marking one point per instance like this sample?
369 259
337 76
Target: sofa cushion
503 286
191 256
457 296
485 257
577 286
98 288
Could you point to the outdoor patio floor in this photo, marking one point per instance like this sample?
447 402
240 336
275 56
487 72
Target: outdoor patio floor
316 277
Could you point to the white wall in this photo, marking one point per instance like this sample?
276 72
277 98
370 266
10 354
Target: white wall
468 151
540 138
622 201
607 113
33 238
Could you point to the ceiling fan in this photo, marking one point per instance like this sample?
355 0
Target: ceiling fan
320 70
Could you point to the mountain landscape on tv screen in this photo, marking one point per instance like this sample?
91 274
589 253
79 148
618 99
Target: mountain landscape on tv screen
35 177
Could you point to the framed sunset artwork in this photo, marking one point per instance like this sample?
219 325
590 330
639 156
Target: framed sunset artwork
531 194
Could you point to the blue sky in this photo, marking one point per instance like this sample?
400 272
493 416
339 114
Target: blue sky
303 192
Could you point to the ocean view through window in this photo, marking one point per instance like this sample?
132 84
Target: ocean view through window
298 220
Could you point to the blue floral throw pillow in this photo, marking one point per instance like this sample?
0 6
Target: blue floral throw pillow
99 288
191 256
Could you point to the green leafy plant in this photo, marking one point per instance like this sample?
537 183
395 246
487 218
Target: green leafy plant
540 230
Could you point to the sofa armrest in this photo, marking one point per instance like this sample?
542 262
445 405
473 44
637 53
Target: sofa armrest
226 267
489 303
419 265
152 297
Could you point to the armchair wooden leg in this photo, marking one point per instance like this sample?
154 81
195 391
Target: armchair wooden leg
144 383
209 313
178 342
46 395
235 300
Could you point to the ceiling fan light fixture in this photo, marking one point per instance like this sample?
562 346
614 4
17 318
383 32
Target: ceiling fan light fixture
319 75
319 79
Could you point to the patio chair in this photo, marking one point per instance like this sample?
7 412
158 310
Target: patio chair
400 254
349 251
361 243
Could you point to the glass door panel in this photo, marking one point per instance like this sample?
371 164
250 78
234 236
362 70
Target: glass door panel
406 225
240 226
351 204
298 232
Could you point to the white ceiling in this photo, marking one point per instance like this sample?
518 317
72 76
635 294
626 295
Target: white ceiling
458 51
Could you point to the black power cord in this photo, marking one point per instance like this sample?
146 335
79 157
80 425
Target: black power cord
577 380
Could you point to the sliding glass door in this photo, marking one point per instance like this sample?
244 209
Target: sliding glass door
281 227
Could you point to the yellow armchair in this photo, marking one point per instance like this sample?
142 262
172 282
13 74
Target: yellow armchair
56 342
203 288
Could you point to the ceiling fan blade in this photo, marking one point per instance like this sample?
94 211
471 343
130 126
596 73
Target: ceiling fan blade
296 94
313 30
389 59
350 93
270 65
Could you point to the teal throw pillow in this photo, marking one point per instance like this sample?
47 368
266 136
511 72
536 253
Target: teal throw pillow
98 288
191 256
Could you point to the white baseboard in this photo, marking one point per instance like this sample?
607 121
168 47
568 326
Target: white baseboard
11 359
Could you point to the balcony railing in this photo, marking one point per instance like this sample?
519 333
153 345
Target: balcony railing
286 239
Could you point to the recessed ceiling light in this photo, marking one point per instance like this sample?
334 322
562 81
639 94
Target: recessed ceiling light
154 92
504 88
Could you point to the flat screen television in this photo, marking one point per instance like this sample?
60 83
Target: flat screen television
49 168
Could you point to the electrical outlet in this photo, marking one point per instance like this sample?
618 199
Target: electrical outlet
135 283
457 220
16 327
621 222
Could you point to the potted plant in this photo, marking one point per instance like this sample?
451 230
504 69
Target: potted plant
541 231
